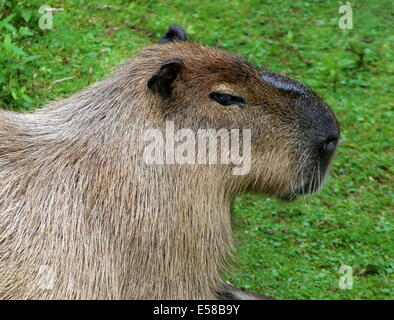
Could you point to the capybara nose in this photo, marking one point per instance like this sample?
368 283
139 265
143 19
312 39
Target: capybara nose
327 147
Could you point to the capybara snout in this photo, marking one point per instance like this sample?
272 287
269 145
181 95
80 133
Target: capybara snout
316 132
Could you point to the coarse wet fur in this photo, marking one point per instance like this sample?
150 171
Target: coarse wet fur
82 216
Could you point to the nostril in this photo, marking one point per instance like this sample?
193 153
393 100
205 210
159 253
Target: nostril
329 145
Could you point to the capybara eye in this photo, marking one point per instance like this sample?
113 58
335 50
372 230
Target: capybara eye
226 99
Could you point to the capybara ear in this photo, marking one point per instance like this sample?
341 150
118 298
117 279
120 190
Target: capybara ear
175 33
161 82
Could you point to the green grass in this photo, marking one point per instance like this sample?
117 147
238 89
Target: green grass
290 251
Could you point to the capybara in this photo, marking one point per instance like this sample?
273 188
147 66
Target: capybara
85 215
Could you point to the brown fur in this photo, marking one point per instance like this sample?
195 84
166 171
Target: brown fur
75 195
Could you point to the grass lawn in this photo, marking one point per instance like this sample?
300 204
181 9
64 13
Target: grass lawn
286 250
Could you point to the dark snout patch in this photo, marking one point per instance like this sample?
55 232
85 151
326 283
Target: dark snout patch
285 84
175 33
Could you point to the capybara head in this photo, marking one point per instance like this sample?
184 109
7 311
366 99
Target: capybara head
293 132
